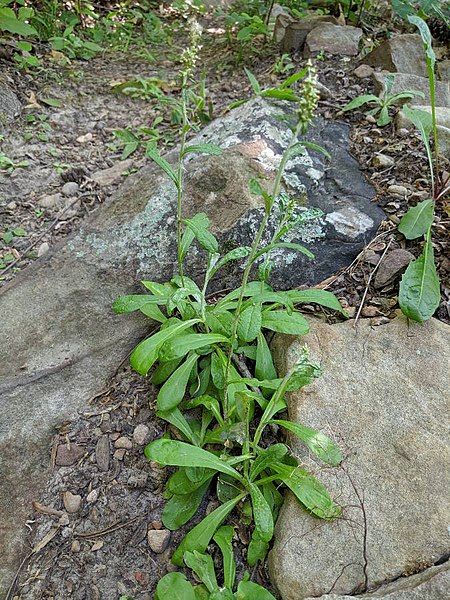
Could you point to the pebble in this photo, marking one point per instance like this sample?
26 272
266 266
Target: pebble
394 263
371 119
397 190
102 453
43 249
92 496
371 257
370 311
119 454
158 539
83 139
70 188
140 434
68 455
11 205
72 502
50 201
123 442
363 71
76 546
156 524
381 160
97 545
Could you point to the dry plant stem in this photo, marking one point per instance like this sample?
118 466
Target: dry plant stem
368 283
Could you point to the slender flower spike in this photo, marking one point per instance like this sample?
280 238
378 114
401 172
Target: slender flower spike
190 54
309 98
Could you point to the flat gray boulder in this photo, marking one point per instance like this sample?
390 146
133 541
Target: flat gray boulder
384 396
61 341
333 39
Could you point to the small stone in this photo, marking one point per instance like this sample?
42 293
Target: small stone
140 434
119 454
113 174
138 479
92 496
398 190
72 502
68 455
401 53
156 524
97 545
83 139
123 442
75 546
43 249
11 205
102 453
158 539
370 119
394 263
382 160
50 201
371 257
370 311
70 188
363 71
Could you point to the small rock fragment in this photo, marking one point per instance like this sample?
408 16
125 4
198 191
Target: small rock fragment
119 454
158 539
123 442
363 71
92 496
102 453
50 201
370 311
83 139
68 455
75 546
394 263
72 502
382 160
97 545
398 190
43 249
140 434
113 174
70 188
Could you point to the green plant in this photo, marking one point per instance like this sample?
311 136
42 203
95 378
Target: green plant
7 164
423 9
16 22
10 234
132 140
220 407
384 102
176 585
283 64
143 88
419 295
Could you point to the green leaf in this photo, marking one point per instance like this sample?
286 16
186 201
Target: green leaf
200 536
235 254
286 94
127 304
174 389
283 322
51 102
176 418
152 152
176 587
264 368
219 321
164 370
204 237
210 403
201 221
257 549
248 590
218 371
181 345
203 567
265 458
287 245
152 311
425 35
317 442
261 513
180 454
182 507
179 483
360 101
9 22
322 297
384 117
417 220
249 323
311 493
146 353
420 293
253 82
203 149
224 539
293 78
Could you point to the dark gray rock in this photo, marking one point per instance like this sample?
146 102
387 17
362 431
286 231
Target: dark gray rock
403 53
10 106
61 341
384 397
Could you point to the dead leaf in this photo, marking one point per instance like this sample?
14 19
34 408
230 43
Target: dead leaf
45 540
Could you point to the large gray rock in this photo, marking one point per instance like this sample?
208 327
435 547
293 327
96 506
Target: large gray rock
384 396
342 40
60 340
403 82
403 53
291 33
443 125
10 105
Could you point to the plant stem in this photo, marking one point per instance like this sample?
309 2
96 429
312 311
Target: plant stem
184 131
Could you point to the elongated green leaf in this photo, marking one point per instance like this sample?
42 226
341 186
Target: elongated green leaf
201 221
182 507
146 353
152 152
420 295
265 458
204 237
176 418
417 220
283 322
224 539
174 389
317 442
286 94
253 81
235 254
360 101
200 536
425 34
315 148
313 296
181 345
203 149
264 368
179 483
127 304
218 371
9 22
176 587
180 454
248 590
203 567
164 370
261 513
219 321
152 311
210 403
288 246
311 493
294 78
249 323
257 549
